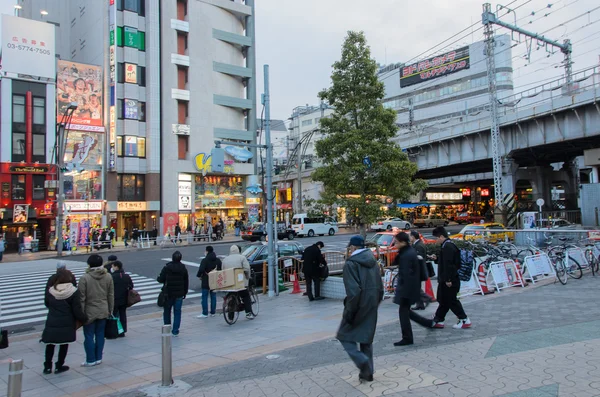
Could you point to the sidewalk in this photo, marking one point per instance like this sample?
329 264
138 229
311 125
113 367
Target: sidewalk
209 352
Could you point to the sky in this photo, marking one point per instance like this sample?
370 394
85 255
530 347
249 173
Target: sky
300 40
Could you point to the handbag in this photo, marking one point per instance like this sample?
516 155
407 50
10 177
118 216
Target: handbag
133 297
162 299
424 273
430 269
3 339
324 272
111 331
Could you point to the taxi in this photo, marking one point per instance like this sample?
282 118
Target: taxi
385 242
490 231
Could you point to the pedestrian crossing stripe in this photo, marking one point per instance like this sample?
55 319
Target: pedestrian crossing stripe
22 295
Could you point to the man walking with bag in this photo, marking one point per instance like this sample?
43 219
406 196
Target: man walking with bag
364 292
97 302
313 260
419 246
208 264
448 282
176 282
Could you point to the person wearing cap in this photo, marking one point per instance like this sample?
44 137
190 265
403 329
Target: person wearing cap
52 279
408 288
108 264
313 259
97 302
364 293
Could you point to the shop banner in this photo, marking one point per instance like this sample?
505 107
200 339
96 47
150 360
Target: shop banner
84 231
20 213
73 233
170 221
81 83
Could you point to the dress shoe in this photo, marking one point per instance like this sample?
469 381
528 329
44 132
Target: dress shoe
365 378
319 298
403 342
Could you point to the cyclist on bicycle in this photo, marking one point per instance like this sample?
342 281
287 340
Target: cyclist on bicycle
237 261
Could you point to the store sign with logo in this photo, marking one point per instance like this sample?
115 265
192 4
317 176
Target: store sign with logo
180 129
131 109
29 169
20 213
131 73
443 196
83 206
185 195
438 66
131 206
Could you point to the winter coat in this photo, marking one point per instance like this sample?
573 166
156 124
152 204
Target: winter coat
448 262
312 259
364 292
175 277
52 280
208 264
97 294
409 276
235 260
64 308
122 283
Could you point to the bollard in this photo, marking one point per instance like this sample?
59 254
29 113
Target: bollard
265 273
167 360
15 378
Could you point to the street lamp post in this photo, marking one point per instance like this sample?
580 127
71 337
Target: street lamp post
62 130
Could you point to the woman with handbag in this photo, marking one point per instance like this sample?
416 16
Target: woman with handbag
408 288
123 284
176 282
64 311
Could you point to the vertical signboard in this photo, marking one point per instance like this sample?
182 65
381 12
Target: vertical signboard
82 84
112 134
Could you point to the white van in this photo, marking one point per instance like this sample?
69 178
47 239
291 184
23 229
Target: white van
304 225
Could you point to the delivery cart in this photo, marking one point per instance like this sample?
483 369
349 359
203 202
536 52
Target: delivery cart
233 305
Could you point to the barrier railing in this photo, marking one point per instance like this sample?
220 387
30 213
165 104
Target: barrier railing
289 266
335 261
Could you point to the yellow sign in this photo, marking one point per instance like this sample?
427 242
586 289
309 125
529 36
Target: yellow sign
112 125
288 194
131 206
253 200
203 162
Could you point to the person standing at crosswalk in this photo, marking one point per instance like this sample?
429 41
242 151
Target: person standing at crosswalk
176 282
64 309
60 266
123 283
97 301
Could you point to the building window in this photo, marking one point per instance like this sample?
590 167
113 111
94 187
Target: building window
141 76
18 146
142 111
306 122
133 146
131 5
182 146
39 111
39 148
120 146
131 187
182 43
142 8
182 77
38 187
18 187
120 109
18 108
120 72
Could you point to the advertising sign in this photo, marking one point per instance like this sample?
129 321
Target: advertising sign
437 66
84 148
130 73
28 47
112 31
171 219
20 213
131 109
84 230
83 206
80 83
185 195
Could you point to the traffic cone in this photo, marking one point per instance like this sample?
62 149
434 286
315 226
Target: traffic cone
282 286
294 278
429 290
482 280
519 275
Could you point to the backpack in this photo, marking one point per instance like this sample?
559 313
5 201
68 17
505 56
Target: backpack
465 267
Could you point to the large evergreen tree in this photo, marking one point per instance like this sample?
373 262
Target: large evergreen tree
360 162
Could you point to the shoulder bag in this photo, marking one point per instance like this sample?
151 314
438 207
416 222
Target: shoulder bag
133 297
162 297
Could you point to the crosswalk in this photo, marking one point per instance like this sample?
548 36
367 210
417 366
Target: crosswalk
22 295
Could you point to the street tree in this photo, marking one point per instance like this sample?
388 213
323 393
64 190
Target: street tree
361 165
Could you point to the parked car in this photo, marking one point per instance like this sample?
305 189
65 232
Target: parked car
558 223
258 232
467 218
385 242
257 254
492 232
431 221
389 223
304 225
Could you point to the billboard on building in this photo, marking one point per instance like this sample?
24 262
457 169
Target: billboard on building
80 83
28 48
440 65
84 148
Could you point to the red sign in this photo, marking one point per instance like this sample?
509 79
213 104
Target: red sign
466 192
485 192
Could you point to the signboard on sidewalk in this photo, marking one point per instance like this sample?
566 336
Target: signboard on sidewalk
537 267
505 274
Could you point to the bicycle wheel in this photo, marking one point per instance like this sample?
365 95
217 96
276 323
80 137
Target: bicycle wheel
230 306
559 268
574 269
254 300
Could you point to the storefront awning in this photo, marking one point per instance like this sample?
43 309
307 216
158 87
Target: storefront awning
412 205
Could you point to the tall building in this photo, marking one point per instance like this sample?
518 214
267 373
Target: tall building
178 75
27 132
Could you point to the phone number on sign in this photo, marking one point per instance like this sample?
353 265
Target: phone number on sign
21 47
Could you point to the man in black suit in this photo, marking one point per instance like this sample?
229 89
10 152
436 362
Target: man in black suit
313 259
419 246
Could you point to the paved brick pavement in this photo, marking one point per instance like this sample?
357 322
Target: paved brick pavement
541 342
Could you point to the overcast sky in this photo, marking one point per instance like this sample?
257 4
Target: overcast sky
300 40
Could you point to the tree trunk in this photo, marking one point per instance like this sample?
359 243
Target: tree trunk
363 230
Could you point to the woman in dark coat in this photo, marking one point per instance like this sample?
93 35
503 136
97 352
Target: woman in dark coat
64 309
123 283
408 289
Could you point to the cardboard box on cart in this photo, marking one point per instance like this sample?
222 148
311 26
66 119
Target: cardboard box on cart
226 279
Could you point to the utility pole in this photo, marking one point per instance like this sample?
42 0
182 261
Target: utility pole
269 188
488 18
299 163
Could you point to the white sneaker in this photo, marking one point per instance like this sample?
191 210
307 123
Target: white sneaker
98 362
86 364
212 315
466 323
202 316
250 316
